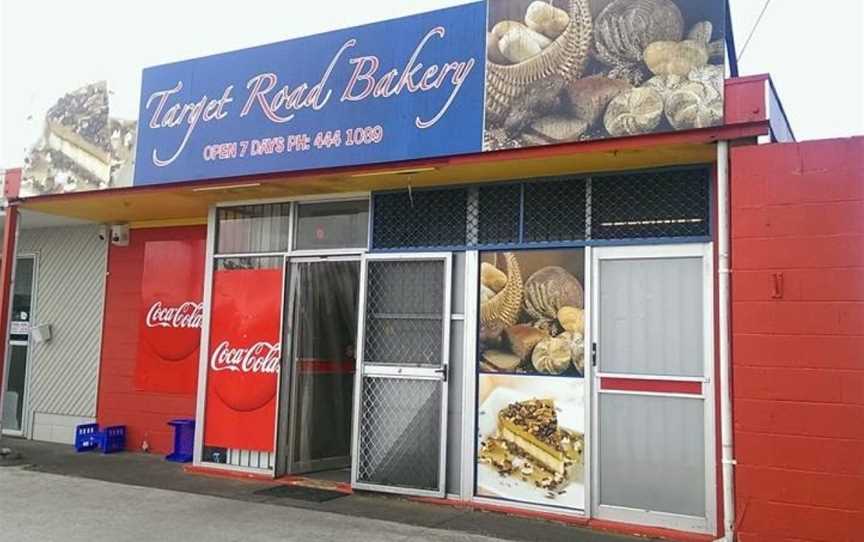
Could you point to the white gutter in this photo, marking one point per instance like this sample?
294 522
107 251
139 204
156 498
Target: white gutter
724 301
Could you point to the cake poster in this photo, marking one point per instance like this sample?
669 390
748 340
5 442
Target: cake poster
531 440
82 146
576 70
531 388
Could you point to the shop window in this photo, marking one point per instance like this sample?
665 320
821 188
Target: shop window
555 211
669 203
341 224
253 228
531 392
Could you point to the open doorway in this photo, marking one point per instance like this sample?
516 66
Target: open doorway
320 362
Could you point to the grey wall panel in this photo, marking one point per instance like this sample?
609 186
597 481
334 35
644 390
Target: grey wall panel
652 453
70 295
651 316
455 408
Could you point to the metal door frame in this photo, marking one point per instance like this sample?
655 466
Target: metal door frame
26 413
286 463
706 524
395 371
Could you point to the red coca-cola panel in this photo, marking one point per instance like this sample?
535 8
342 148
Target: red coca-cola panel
170 316
244 359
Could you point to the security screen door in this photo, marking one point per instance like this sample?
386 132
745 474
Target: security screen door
400 412
653 400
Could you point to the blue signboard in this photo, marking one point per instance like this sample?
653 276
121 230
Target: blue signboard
485 76
402 89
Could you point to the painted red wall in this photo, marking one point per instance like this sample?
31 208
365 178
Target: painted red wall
798 340
145 414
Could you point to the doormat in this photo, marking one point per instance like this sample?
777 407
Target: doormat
301 493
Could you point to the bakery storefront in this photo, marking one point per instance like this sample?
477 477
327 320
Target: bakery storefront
467 254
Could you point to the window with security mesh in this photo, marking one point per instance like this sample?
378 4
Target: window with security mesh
663 203
554 211
420 218
497 217
671 203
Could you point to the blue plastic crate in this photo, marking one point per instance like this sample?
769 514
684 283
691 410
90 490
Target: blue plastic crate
89 437
86 437
113 439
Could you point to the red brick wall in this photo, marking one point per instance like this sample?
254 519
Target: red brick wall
798 340
119 402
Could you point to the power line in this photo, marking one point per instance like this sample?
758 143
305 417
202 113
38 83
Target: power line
753 31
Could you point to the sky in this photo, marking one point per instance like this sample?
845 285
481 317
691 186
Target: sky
814 51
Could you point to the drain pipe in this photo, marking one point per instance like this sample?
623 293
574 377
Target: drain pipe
724 301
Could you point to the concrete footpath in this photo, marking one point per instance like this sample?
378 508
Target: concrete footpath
56 494
43 507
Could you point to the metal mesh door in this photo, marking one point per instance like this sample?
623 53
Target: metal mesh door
400 406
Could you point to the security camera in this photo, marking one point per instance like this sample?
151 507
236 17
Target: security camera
120 235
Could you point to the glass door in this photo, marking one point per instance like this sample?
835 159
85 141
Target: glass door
15 377
323 298
653 350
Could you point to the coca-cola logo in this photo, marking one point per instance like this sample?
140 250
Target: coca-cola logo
244 378
173 330
188 315
261 357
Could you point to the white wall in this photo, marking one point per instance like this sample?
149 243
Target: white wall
69 295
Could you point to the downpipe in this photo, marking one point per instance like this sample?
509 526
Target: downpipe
724 302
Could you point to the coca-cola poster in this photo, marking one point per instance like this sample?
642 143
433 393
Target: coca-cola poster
243 359
170 316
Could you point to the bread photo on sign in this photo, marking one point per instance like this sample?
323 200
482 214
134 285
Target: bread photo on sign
535 326
572 70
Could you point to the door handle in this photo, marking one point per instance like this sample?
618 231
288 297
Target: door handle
443 370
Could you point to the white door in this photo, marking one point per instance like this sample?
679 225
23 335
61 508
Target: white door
654 456
400 397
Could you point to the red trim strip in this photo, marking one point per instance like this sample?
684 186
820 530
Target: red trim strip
323 366
651 386
223 473
7 266
596 524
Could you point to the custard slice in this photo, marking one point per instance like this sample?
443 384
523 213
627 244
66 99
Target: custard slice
532 427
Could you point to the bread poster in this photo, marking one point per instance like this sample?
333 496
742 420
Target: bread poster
576 70
531 387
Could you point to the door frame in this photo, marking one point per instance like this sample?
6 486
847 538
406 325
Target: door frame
379 371
26 414
708 523
285 463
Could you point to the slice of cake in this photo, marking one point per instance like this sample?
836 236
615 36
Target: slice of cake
82 147
532 427
77 127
